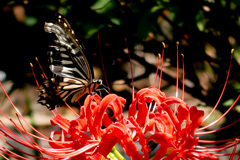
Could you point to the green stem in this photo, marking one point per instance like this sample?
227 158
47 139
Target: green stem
115 155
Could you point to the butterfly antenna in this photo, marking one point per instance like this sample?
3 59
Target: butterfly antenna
106 70
104 73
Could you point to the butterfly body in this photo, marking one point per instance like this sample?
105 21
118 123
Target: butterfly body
73 76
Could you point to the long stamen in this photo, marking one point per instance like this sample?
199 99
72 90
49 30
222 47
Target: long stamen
217 141
40 66
72 109
183 80
31 65
177 70
214 131
36 146
14 137
234 149
15 108
220 97
217 148
131 69
160 78
223 115
175 106
155 81
15 155
104 73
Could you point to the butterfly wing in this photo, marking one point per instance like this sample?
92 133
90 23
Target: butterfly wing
66 55
68 63
55 91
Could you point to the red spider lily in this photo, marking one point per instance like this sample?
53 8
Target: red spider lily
151 119
86 131
165 127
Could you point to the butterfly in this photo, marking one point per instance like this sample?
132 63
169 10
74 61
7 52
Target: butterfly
73 76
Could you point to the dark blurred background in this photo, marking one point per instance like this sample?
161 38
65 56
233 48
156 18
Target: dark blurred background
206 30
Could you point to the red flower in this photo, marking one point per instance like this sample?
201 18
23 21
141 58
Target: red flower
165 128
87 132
153 118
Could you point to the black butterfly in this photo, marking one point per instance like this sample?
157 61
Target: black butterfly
73 75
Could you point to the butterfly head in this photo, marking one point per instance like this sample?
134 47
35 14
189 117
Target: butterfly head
97 83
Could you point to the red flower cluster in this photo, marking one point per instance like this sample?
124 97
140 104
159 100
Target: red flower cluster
153 118
94 133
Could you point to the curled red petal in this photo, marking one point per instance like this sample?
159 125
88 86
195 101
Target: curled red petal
162 138
80 124
117 108
146 95
61 122
142 114
160 152
95 156
132 108
58 143
183 113
88 104
196 116
106 120
130 148
172 116
110 100
165 140
77 127
142 139
112 135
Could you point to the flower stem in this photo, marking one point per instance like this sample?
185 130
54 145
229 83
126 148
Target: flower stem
115 155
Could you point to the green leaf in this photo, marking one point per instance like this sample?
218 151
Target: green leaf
236 55
103 6
63 10
200 26
100 4
92 29
155 8
223 3
236 85
237 108
30 21
116 21
200 22
228 102
92 32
